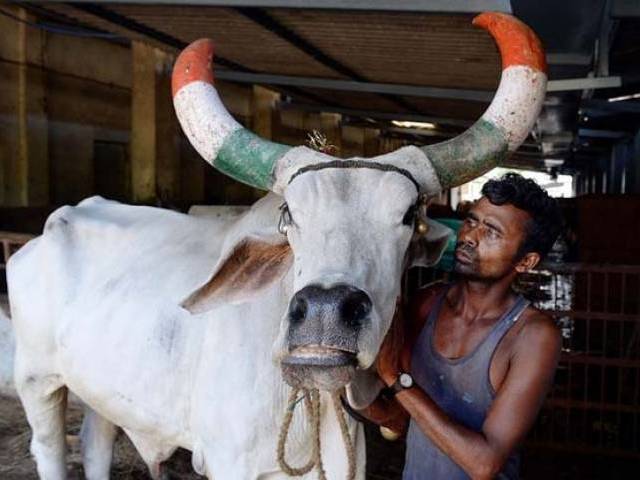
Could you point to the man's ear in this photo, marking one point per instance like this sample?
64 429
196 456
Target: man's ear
250 267
528 262
426 249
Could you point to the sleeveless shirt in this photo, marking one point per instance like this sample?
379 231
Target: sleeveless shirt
462 388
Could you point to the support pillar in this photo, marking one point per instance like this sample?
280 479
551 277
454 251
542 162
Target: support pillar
143 123
23 119
263 112
168 175
633 167
155 148
371 142
331 128
620 154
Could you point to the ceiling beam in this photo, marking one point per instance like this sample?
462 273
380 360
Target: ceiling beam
375 114
587 83
355 86
593 133
434 6
625 9
600 107
408 90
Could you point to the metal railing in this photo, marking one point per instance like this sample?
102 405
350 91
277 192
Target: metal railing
594 404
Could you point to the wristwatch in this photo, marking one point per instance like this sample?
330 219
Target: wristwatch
403 382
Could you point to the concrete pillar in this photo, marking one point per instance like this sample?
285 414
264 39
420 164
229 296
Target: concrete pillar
633 167
262 114
23 118
371 142
168 175
331 128
620 154
143 123
155 148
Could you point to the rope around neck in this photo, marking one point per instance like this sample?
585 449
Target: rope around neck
311 399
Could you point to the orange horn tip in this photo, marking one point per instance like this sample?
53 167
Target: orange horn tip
518 44
193 64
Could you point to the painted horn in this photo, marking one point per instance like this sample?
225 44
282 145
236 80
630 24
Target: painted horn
512 113
217 137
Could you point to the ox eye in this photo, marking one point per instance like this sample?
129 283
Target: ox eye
285 219
410 217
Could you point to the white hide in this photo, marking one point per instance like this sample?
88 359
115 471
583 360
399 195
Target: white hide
362 245
7 346
95 302
224 213
96 309
410 158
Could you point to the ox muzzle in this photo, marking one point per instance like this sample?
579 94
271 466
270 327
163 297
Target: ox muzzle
324 325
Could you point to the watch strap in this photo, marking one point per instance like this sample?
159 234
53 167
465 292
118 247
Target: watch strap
396 387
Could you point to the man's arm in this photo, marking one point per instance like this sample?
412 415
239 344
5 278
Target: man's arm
397 348
531 370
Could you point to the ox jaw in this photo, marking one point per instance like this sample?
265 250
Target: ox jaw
318 366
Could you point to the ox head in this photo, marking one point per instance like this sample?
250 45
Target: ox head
347 227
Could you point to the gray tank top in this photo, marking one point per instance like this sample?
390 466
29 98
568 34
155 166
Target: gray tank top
462 388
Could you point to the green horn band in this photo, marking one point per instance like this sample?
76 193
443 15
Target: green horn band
249 159
469 155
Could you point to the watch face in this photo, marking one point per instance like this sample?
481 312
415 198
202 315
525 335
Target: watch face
406 381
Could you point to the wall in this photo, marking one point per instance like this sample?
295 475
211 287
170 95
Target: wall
85 116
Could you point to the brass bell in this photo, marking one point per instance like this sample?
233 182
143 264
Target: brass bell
389 434
422 227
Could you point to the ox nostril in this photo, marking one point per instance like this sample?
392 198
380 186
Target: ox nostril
355 308
298 309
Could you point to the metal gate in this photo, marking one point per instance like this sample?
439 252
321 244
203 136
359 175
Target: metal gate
594 404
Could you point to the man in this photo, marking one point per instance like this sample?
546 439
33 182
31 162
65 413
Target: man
480 359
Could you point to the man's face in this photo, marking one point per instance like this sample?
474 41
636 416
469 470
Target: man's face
489 240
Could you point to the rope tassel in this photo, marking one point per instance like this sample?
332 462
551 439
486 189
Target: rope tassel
311 399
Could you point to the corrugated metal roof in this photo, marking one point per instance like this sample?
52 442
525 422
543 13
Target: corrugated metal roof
387 47
419 49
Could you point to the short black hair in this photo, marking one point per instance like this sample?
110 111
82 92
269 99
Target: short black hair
546 220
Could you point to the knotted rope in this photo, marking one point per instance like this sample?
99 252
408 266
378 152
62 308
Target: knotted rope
311 399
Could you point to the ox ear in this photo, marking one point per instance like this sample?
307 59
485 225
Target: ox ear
250 267
426 249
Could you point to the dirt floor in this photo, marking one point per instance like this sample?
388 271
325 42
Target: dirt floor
16 462
384 459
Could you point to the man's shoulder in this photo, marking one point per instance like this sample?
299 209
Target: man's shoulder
539 330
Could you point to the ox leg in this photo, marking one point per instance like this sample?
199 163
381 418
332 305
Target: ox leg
152 453
45 404
97 437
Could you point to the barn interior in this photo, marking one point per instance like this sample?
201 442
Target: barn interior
86 109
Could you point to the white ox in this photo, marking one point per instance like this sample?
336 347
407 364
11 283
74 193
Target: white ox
181 329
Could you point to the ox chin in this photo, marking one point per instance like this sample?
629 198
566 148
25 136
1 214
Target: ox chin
315 366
